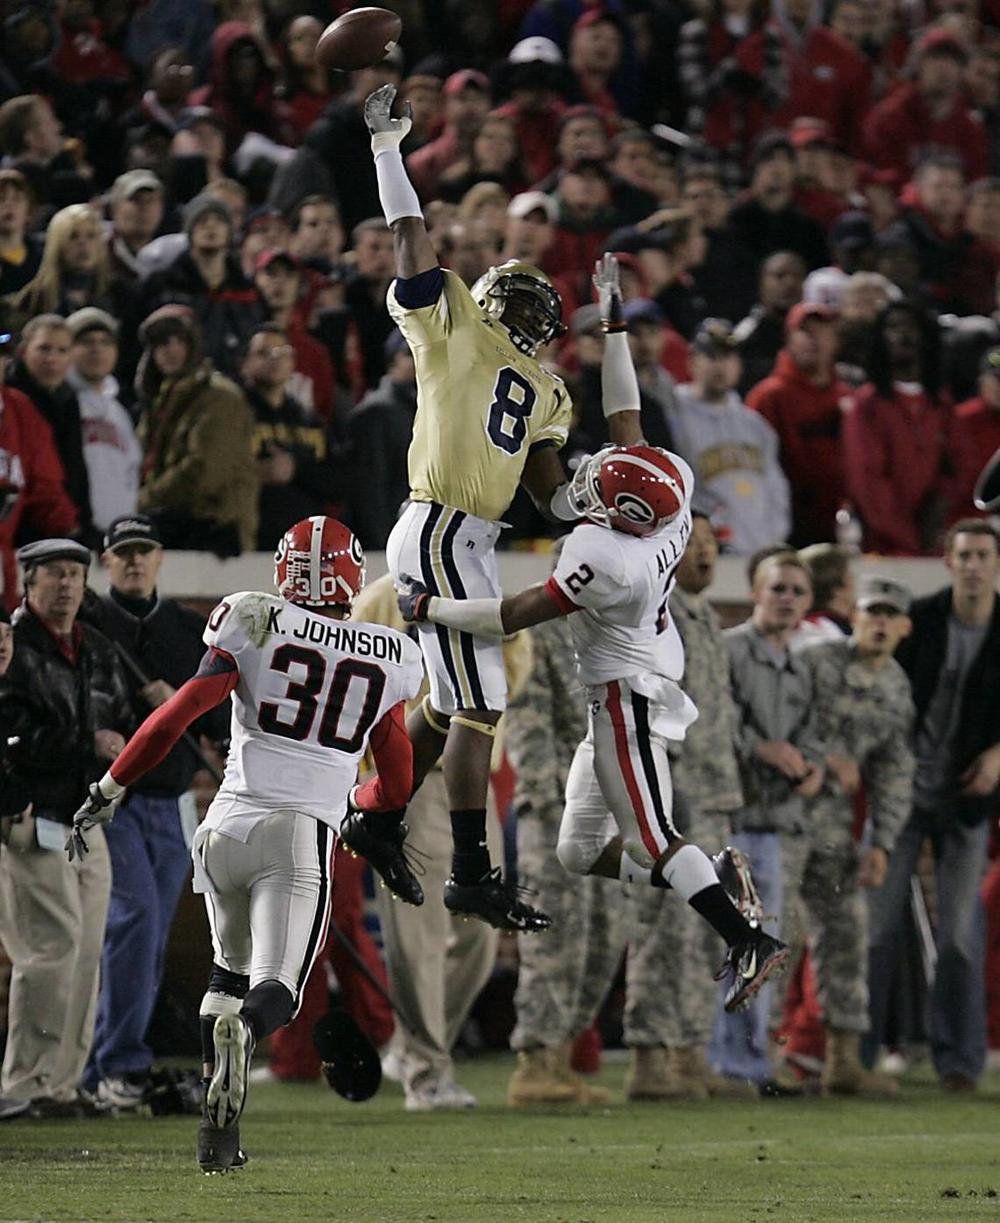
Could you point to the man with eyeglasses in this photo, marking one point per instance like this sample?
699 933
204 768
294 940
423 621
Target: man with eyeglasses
781 760
32 481
295 459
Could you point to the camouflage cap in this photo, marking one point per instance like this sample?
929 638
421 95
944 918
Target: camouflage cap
883 592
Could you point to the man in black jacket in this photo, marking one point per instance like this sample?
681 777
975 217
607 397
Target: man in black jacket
953 661
149 838
65 700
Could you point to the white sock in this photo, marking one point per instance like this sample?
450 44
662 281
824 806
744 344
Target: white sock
689 872
631 872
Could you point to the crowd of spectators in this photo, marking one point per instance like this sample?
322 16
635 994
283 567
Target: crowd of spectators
805 201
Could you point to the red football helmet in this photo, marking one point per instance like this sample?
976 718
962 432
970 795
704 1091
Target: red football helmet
635 489
319 563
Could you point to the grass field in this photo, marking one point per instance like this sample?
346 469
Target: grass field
924 1157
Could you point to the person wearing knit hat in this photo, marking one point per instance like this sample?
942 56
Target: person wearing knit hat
208 278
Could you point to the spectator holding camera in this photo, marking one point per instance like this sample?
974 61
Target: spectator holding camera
65 700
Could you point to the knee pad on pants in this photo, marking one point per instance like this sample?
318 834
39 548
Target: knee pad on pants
578 857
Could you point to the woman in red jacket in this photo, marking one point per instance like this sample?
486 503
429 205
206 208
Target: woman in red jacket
897 437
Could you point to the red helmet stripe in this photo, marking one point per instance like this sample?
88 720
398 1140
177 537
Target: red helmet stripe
659 473
316 558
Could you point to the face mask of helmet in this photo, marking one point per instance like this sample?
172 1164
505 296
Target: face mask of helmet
526 305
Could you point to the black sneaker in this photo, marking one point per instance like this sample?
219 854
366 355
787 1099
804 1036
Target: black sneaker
749 965
496 902
732 866
383 847
219 1149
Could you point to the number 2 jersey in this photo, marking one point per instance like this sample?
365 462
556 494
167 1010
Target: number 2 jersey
618 587
309 693
482 405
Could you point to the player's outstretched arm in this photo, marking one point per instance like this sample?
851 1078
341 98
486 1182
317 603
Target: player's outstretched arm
481 617
414 252
215 680
619 385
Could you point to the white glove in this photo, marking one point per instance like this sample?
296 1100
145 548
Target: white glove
101 803
386 132
607 283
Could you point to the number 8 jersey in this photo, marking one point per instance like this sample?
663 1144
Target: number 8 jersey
481 404
310 691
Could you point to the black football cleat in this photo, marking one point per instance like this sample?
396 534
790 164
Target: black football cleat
732 867
495 902
219 1149
382 845
749 965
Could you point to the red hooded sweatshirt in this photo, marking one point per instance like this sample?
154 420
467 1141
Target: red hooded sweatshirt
899 133
807 419
897 455
32 483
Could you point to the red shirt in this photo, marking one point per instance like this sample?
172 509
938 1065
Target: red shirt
975 436
900 132
32 481
896 456
807 419
828 79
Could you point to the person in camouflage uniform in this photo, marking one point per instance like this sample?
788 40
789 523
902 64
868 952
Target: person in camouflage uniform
667 1031
865 718
781 760
564 976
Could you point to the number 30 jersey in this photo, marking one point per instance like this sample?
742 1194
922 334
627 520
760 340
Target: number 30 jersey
310 690
481 404
619 586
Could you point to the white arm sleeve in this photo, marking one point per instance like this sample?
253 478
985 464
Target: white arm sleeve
481 617
395 191
619 385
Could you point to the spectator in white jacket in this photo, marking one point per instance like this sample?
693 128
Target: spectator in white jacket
732 450
111 450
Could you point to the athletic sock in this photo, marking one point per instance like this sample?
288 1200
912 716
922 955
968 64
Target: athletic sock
631 872
206 1026
471 857
722 915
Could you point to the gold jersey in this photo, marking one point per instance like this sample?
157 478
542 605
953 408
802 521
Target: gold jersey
481 404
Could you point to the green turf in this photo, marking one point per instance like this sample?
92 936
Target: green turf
924 1157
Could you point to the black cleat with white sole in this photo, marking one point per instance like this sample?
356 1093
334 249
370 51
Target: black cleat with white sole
382 845
749 965
219 1149
495 902
226 1093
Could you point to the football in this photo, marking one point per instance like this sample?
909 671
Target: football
359 38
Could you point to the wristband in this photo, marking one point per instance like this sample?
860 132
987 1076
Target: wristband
110 788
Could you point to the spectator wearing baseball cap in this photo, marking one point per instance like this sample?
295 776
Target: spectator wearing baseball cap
135 204
732 450
803 400
852 242
160 644
929 112
111 450
66 700
977 429
536 81
466 102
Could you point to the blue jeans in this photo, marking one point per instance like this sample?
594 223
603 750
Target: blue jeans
958 994
149 863
739 1042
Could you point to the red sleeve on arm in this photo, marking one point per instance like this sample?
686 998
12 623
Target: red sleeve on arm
393 754
559 597
216 678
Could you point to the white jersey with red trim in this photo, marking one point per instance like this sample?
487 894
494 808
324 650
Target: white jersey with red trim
310 690
618 587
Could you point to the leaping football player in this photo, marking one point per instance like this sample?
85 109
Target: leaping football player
614 578
489 417
309 694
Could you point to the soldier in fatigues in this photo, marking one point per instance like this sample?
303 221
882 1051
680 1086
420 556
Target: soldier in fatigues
865 719
667 1031
564 977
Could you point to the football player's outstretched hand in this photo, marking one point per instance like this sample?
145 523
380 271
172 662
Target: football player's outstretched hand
95 810
413 598
386 131
607 283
